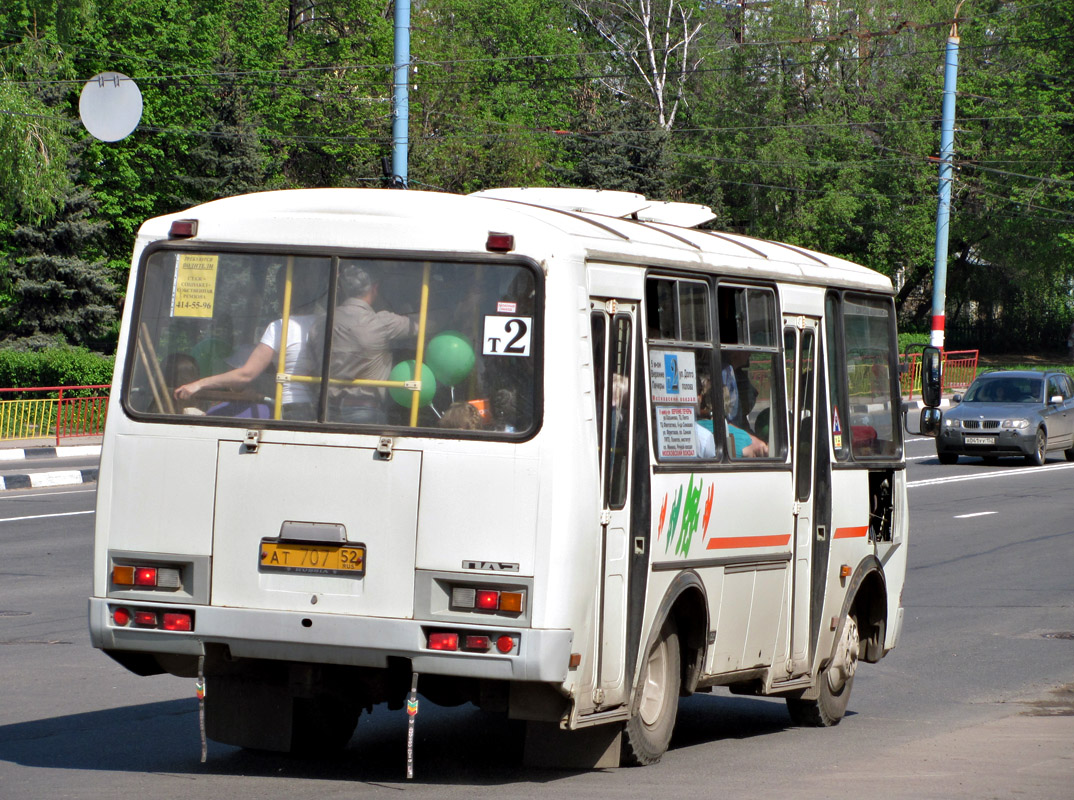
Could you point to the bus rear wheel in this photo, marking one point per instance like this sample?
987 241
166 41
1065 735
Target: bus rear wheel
834 684
656 704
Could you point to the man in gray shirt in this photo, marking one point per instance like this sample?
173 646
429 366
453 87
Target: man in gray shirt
362 340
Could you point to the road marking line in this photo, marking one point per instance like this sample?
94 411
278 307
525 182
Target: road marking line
36 495
977 514
1007 473
46 516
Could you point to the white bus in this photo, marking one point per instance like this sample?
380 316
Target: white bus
557 453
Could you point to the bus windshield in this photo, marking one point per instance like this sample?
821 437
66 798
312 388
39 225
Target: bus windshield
209 325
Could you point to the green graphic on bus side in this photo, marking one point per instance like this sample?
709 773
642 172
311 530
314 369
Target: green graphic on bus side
689 509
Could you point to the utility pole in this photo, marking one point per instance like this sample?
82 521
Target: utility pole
943 209
400 96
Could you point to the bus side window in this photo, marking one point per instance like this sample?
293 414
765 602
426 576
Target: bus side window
680 374
618 456
869 339
836 359
750 367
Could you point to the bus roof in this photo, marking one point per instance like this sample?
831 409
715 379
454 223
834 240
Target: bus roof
542 223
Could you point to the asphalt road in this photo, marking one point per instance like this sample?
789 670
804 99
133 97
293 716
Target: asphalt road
976 702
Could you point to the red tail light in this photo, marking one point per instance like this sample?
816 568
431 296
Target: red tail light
488 599
443 641
178 622
505 644
145 576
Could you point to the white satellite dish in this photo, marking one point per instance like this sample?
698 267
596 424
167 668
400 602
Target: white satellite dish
110 106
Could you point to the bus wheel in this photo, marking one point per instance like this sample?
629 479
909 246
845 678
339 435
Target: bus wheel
834 684
648 731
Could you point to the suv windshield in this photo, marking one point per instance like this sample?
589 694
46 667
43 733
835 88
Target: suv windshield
207 341
1005 390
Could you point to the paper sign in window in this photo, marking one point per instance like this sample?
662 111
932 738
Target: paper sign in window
195 285
672 376
676 431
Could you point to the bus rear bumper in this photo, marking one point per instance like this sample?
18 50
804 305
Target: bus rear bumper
539 654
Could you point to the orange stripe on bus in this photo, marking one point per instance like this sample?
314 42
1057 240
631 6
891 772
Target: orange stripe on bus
732 542
850 533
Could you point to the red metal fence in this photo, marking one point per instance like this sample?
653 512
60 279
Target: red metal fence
959 370
60 412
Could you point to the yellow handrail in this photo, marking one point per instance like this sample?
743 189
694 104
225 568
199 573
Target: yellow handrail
415 400
277 411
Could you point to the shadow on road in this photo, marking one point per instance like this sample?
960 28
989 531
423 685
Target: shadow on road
452 745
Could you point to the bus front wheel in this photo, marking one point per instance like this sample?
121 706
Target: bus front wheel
834 684
656 703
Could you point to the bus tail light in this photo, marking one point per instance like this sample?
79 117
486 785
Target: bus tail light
183 229
146 576
505 644
442 640
500 242
482 599
179 621
153 619
480 643
455 641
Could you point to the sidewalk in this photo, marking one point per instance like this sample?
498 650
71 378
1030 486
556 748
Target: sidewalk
15 452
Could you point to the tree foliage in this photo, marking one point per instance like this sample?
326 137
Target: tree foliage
809 122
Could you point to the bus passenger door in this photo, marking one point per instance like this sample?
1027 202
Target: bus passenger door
800 344
613 357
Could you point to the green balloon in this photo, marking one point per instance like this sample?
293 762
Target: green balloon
404 371
451 356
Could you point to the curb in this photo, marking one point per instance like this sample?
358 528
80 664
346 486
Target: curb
68 451
37 480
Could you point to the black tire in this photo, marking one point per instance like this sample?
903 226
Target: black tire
833 684
656 703
947 458
1040 454
1069 454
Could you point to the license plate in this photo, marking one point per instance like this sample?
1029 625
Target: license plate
313 559
980 440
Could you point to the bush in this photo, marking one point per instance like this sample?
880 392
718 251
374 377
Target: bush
62 366
906 339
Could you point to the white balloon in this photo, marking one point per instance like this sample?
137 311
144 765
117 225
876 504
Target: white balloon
110 106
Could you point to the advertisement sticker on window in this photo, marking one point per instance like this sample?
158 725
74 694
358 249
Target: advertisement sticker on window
194 291
672 376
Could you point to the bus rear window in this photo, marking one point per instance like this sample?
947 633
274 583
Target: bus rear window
327 340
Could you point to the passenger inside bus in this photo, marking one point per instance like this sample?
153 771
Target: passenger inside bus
179 368
297 399
741 441
362 341
462 416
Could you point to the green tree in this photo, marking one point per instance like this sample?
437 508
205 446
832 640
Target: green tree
59 296
492 84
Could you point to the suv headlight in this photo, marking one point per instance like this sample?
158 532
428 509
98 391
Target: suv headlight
952 423
1015 423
